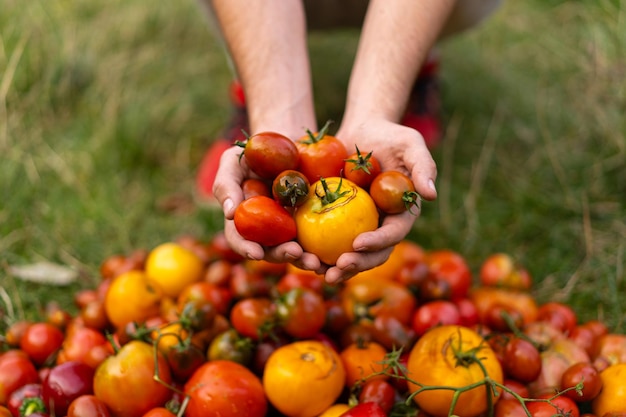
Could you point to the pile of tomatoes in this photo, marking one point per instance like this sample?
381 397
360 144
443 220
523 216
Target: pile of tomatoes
189 328
308 189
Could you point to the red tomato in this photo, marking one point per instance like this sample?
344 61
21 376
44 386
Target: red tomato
232 346
321 155
521 360
254 186
245 283
560 405
366 409
586 375
263 220
226 389
41 341
253 317
64 383
560 315
394 193
368 298
435 313
16 370
159 412
501 270
360 169
301 312
219 297
451 267
509 407
88 406
379 392
269 153
78 343
290 188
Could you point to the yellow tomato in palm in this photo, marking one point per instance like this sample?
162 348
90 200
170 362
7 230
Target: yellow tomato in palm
452 356
612 398
132 298
303 378
334 214
173 267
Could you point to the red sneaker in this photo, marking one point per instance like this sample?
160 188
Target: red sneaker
423 108
233 132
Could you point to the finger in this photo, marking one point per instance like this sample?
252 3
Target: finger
350 264
228 180
246 248
286 252
423 170
393 229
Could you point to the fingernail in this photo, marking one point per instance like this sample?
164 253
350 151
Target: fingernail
349 267
228 205
431 185
290 257
252 258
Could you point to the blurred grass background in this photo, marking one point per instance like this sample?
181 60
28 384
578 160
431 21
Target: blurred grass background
106 109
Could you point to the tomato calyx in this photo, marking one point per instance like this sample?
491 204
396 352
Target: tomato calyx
313 138
32 405
412 199
329 196
361 162
242 143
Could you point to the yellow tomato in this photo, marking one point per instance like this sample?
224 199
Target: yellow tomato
335 213
132 298
173 267
612 398
452 356
304 378
335 410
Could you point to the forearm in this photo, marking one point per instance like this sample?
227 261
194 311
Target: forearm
396 38
267 41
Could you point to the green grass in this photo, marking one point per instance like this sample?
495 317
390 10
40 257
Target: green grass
106 108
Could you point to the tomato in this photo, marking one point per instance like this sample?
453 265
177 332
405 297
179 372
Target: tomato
380 392
197 315
560 405
245 283
254 186
611 347
183 359
303 378
269 153
159 412
390 332
334 410
254 317
78 343
369 298
263 220
509 407
335 213
585 374
26 400
559 315
612 398
88 405
360 169
131 371
501 270
485 298
290 188
4 412
66 382
366 409
301 312
449 266
202 292
435 313
321 155
94 315
225 389
521 360
452 356
15 331
394 193
132 297
232 346
291 280
172 267
363 361
41 341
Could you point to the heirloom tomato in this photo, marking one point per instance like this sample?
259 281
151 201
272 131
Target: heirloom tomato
172 267
449 266
303 378
226 389
360 169
16 369
366 409
290 188
586 374
254 186
88 405
301 312
335 213
394 193
269 153
453 356
64 383
41 341
132 298
612 397
126 382
363 361
369 298
380 392
321 155
253 317
263 220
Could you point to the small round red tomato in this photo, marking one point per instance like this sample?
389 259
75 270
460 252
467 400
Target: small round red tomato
159 412
361 169
394 193
253 317
380 392
263 220
203 292
560 315
16 369
334 214
254 186
40 341
522 360
183 359
501 270
435 313
449 266
269 153
509 407
225 388
290 188
368 298
301 312
65 383
321 155
392 333
585 374
560 405
365 409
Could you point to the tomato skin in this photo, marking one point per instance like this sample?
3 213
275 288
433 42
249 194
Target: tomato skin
432 362
301 313
559 315
64 383
328 230
263 220
225 389
232 346
561 405
362 360
509 407
522 360
361 169
394 193
269 153
251 317
131 297
366 409
612 398
131 371
16 370
435 313
379 392
290 188
40 341
321 155
449 266
254 186
590 378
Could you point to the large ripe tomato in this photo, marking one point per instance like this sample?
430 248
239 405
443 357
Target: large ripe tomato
263 220
394 193
225 389
269 153
321 155
369 298
125 381
253 317
452 356
361 169
612 398
363 361
336 212
451 267
303 378
172 267
487 298
132 298
40 341
301 312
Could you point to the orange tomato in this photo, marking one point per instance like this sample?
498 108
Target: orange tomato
441 358
612 398
168 336
335 410
304 378
362 361
404 252
159 412
172 267
487 299
371 298
131 297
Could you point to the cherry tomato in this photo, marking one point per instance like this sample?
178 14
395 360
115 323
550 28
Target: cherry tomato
321 155
269 153
369 298
394 193
363 361
501 270
183 359
560 405
225 388
159 412
16 370
232 346
585 374
202 292
335 213
132 297
41 341
290 188
365 409
301 312
435 313
65 383
522 360
380 392
253 317
560 315
360 169
245 283
79 341
254 186
509 407
263 220
449 266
